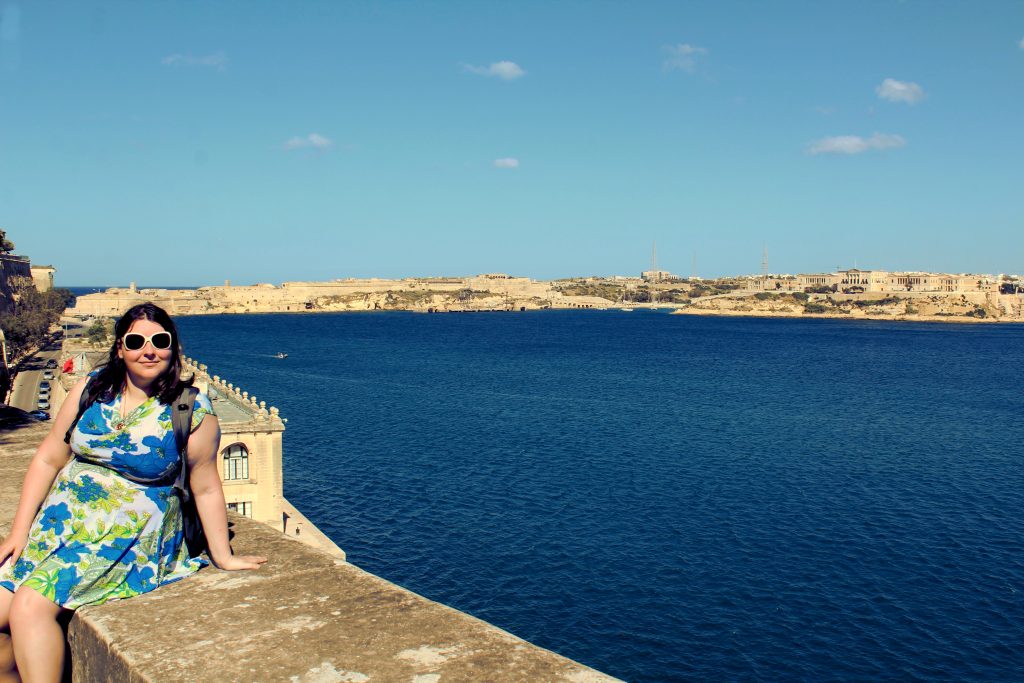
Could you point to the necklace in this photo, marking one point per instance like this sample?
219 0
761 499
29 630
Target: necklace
125 415
120 422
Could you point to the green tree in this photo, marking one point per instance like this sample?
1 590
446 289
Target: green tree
97 332
27 323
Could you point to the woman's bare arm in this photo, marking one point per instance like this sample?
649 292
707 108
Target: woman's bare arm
204 479
50 457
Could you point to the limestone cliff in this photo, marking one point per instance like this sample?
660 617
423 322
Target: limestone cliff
468 294
15 274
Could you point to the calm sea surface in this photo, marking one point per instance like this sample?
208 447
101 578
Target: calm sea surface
668 497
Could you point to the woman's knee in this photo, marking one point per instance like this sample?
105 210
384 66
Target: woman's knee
29 607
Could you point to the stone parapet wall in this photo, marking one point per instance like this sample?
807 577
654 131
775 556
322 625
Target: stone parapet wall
306 616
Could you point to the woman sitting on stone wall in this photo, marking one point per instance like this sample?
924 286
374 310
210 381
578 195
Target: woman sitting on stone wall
87 529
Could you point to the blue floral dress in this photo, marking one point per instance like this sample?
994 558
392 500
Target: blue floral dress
99 536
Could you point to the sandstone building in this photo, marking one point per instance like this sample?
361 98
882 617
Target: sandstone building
855 280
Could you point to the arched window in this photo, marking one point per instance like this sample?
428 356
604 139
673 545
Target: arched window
236 462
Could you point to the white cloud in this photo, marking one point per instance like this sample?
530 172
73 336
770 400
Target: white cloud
900 91
313 141
683 57
217 60
507 162
854 144
506 71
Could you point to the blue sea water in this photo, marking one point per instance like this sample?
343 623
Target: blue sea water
668 497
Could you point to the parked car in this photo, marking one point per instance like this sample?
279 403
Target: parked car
52 363
44 384
43 404
47 374
40 414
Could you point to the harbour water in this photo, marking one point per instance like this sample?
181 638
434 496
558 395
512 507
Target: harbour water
668 497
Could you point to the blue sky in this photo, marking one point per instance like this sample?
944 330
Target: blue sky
188 143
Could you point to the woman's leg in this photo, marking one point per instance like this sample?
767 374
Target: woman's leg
38 638
8 674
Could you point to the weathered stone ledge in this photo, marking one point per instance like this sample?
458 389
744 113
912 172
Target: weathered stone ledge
305 617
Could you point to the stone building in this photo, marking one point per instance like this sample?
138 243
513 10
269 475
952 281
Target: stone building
42 277
940 282
776 283
865 280
855 280
657 276
817 280
251 462
250 449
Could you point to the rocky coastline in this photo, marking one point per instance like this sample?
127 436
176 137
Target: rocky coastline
502 293
973 307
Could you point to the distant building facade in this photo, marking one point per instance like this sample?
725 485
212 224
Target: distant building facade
42 277
657 276
882 281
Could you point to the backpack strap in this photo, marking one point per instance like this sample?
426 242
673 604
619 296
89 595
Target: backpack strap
181 420
83 405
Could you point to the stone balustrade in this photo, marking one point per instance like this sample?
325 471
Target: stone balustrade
228 390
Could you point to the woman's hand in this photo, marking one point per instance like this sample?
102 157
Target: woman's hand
12 548
236 562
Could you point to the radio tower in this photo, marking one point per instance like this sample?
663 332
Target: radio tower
764 262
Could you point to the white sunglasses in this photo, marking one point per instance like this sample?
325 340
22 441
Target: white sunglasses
133 341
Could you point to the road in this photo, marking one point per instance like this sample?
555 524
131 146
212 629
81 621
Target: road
25 394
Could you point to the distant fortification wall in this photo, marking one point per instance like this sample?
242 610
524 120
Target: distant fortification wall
483 292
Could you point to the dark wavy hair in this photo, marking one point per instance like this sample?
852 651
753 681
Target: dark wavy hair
111 375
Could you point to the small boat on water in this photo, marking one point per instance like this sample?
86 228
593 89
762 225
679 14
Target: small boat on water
280 354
